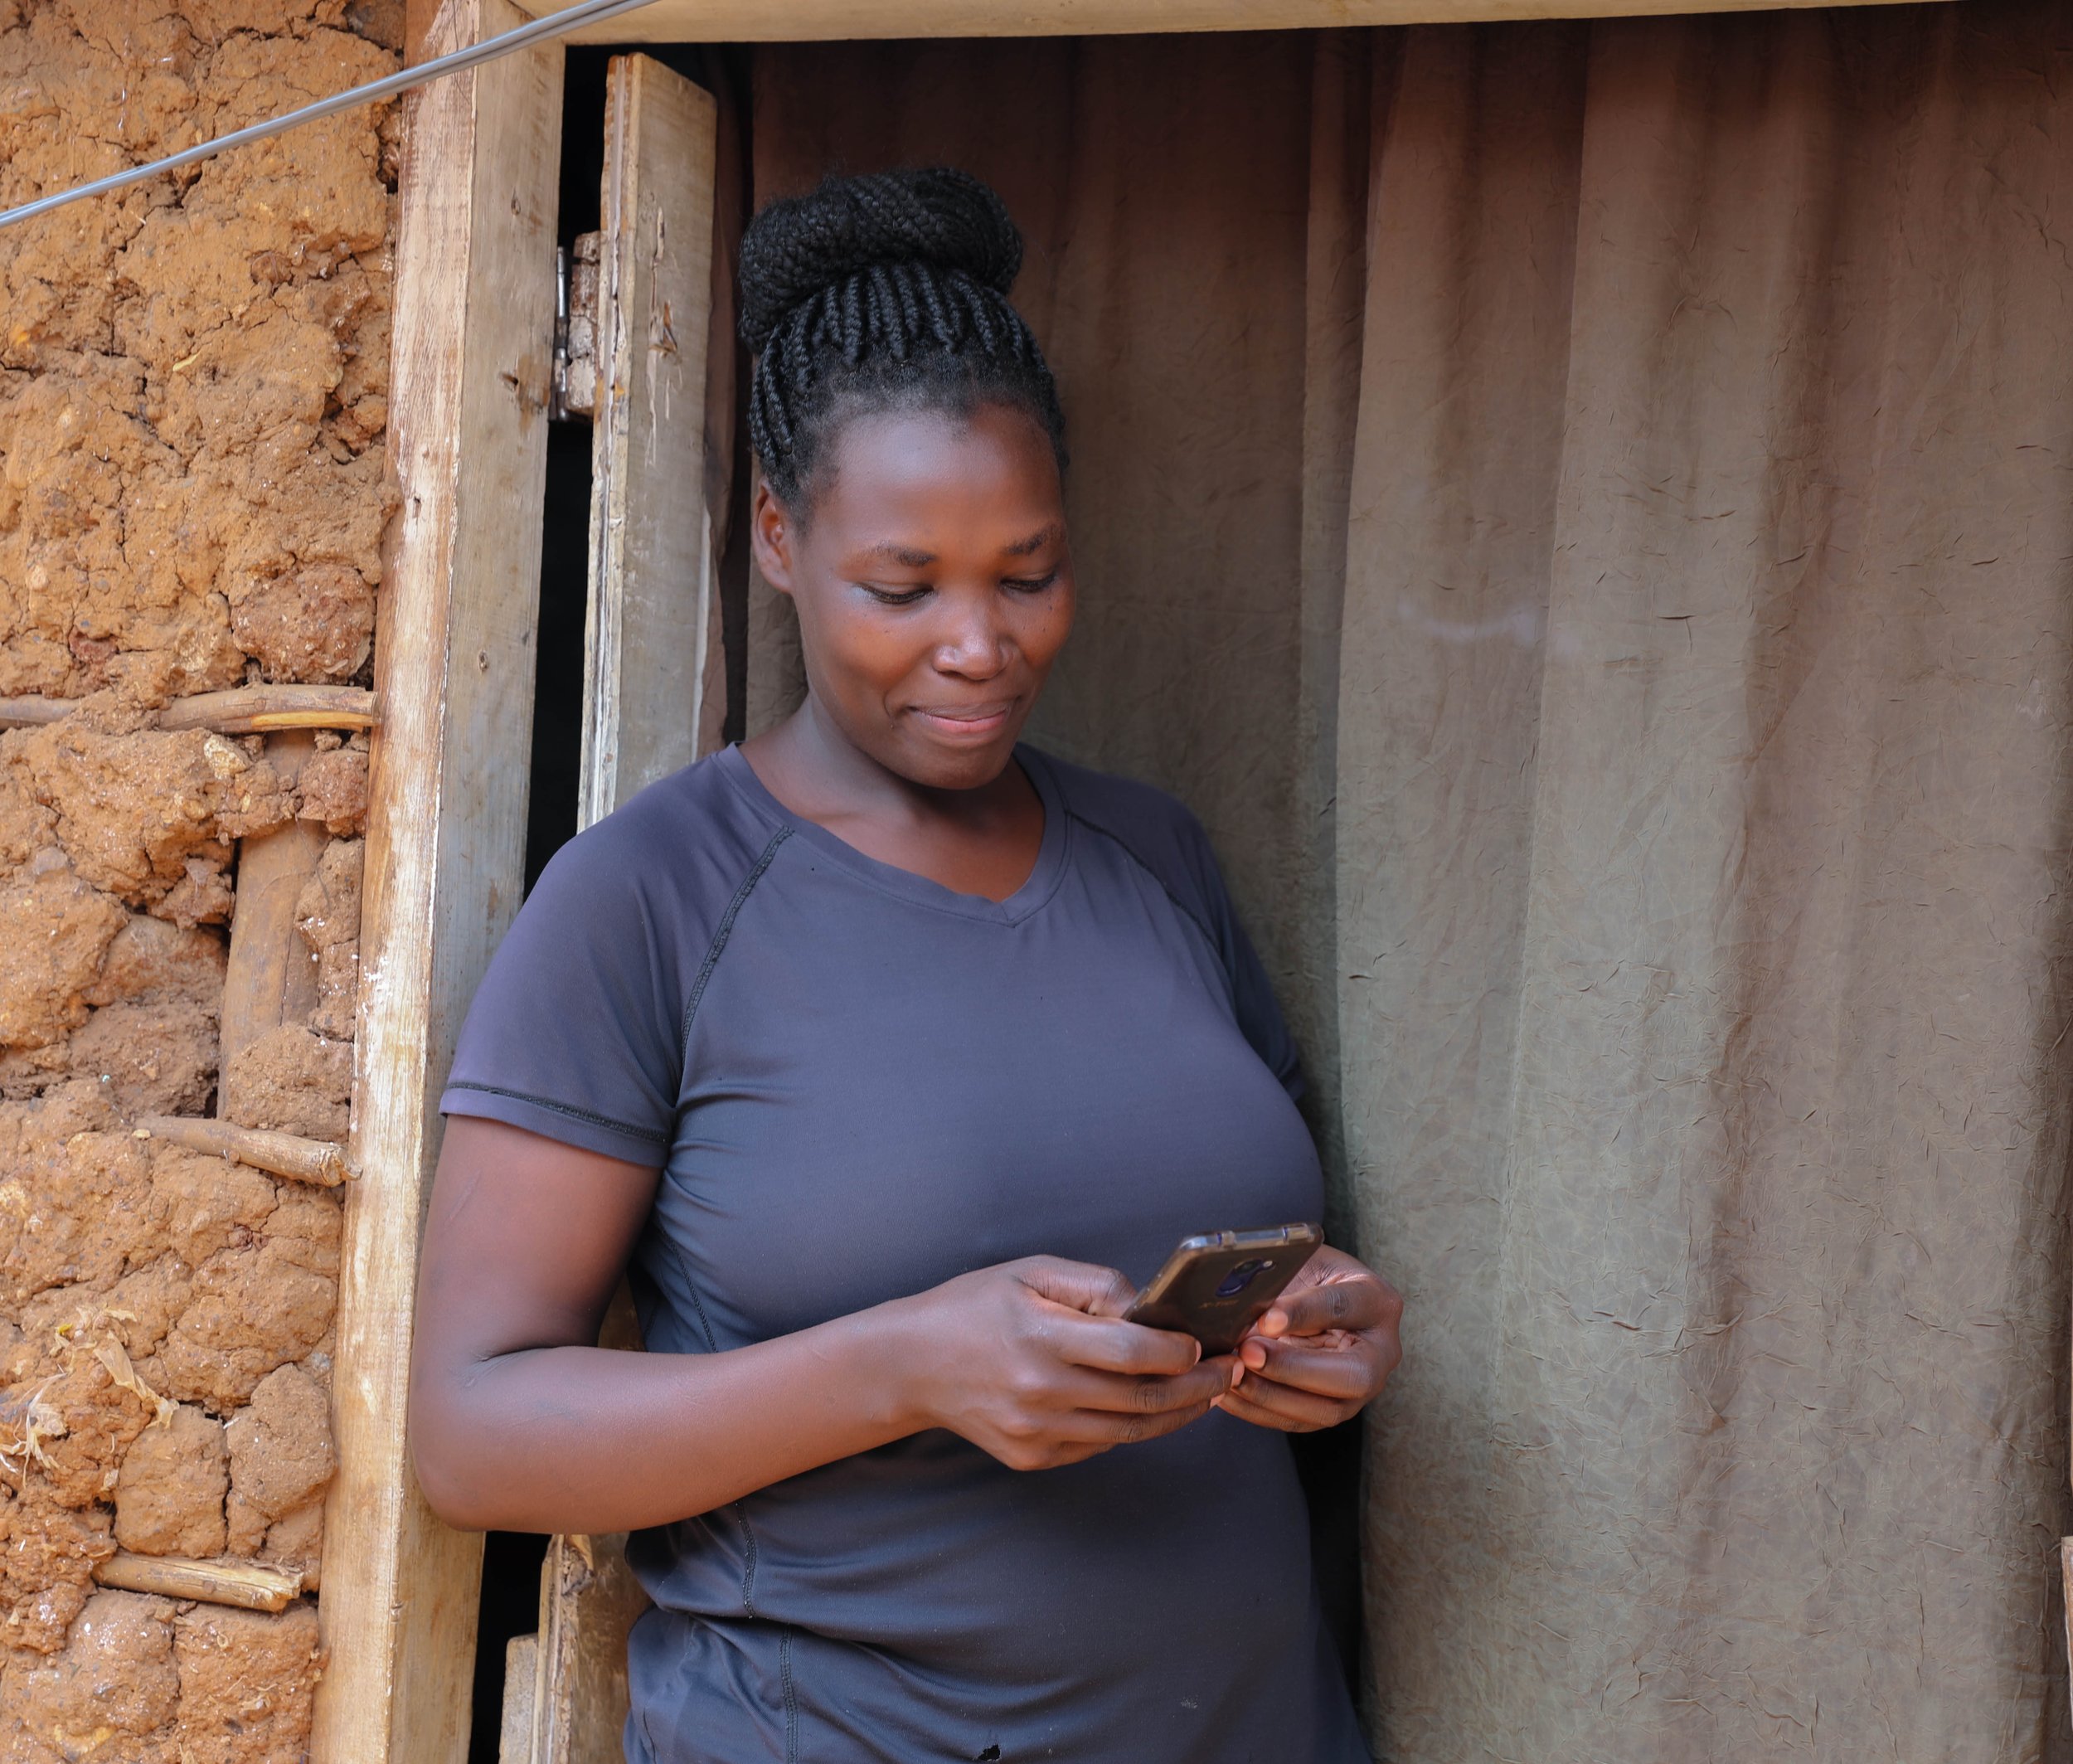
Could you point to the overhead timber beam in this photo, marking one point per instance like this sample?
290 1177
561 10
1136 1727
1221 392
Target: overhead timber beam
759 21
445 841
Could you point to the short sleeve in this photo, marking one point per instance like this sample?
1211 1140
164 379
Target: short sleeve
573 1032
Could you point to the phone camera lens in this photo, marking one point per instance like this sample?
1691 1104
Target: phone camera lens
1240 1277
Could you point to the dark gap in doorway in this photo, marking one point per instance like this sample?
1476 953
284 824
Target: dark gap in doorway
510 1560
1328 1463
510 1603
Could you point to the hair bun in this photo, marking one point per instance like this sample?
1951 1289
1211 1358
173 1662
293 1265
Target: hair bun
795 248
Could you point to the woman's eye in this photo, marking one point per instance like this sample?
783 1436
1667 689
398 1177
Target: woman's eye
893 596
1029 583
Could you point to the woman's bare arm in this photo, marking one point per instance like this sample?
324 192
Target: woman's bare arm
518 1423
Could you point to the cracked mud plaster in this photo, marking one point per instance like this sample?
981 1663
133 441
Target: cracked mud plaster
193 393
194 373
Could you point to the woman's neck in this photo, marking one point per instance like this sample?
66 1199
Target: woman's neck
984 840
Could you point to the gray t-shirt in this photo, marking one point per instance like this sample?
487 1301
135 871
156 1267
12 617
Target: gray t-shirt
858 1084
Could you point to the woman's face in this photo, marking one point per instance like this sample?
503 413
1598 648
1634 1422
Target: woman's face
934 586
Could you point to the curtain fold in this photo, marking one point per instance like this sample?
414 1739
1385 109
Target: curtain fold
1451 535
1707 952
1583 512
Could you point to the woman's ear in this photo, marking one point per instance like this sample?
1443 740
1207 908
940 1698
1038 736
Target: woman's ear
770 537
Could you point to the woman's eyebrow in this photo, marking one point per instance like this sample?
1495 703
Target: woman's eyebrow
1035 542
904 555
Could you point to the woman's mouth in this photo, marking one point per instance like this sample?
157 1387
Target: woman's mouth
973 723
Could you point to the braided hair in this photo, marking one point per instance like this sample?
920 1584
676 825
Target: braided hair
883 292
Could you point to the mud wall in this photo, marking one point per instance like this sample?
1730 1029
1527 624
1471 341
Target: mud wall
192 496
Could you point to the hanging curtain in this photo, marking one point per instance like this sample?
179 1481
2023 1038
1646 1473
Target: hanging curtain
1704 684
1585 513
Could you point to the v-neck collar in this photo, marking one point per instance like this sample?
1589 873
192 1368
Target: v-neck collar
908 885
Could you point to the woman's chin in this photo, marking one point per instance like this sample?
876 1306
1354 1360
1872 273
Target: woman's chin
957 761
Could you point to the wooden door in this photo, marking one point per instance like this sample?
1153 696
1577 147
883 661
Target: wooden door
652 701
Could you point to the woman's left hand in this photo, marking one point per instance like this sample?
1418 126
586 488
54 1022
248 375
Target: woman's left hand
1323 1352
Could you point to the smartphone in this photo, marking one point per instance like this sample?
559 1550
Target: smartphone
1215 1288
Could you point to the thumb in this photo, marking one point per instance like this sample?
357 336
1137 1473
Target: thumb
1080 1285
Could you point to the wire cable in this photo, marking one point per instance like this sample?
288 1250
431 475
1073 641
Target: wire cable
521 36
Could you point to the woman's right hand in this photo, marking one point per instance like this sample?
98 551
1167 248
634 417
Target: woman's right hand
1031 1362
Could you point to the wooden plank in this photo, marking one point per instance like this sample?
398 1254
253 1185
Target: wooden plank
757 21
243 1584
514 1737
589 1600
280 1154
653 635
446 842
653 688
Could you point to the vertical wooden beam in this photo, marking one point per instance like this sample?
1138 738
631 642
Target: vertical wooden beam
654 664
472 342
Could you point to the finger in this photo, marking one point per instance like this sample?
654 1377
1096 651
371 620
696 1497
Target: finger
1288 1399
1349 1372
1356 1302
1112 1345
1240 1407
1133 1430
1079 1285
1292 1409
1119 1394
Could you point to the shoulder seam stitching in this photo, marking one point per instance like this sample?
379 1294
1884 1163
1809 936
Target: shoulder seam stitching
1130 851
721 934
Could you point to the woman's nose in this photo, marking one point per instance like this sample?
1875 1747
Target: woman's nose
976 644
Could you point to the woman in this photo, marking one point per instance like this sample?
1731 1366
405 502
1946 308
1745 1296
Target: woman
880 1044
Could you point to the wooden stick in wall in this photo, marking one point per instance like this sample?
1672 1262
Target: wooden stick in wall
254 710
247 1585
271 980
244 709
282 1153
33 709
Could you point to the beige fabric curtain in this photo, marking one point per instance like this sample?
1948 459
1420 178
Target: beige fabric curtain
1704 941
1583 513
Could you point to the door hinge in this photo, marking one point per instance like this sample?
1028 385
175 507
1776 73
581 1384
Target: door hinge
575 331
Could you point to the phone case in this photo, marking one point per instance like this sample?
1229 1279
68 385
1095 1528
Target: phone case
1215 1287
